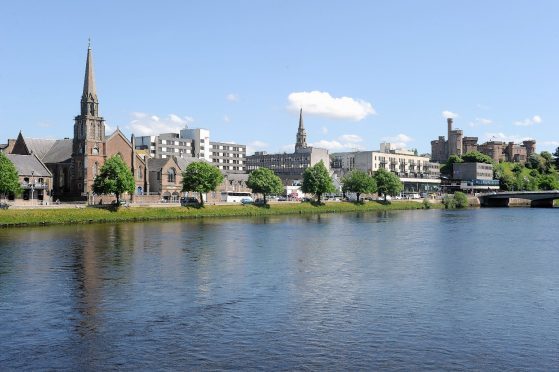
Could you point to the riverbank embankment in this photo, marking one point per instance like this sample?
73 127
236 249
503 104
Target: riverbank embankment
73 215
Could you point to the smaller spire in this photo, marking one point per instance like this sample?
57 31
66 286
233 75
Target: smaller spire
301 119
89 43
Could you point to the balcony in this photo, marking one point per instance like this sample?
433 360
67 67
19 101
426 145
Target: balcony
35 186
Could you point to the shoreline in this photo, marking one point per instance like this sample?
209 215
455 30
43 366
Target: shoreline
13 218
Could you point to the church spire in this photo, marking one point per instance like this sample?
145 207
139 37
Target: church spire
301 134
90 103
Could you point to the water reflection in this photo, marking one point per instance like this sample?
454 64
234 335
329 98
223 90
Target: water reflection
406 290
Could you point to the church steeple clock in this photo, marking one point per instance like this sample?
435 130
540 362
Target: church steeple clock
88 151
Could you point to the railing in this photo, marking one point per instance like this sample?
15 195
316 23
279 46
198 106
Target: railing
36 185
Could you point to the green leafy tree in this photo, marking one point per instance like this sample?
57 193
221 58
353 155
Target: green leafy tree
202 178
476 157
9 178
265 182
460 200
548 182
447 167
114 178
317 181
387 183
549 161
359 182
536 162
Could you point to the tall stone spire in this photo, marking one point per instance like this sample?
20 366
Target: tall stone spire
301 134
90 103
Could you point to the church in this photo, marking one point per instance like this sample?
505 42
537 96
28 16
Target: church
74 163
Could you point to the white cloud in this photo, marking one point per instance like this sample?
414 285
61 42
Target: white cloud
449 115
323 104
500 136
233 97
256 146
288 148
226 118
536 119
351 138
344 142
551 143
143 124
480 121
109 129
399 141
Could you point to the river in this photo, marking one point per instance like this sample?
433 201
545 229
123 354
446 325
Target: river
408 290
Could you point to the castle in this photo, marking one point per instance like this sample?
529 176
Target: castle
499 151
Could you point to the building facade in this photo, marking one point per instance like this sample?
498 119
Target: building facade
195 143
290 167
417 173
472 177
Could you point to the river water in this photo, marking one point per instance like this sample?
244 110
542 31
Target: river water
409 290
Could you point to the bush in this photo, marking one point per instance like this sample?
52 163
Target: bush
426 204
449 202
460 200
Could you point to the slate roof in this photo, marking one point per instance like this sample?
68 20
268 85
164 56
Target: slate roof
185 162
60 152
38 146
156 164
26 164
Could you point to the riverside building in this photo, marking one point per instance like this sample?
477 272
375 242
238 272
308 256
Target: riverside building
290 166
417 173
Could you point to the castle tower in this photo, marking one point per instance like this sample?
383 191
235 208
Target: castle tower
301 142
88 150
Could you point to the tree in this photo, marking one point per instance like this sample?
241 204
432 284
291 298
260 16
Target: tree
359 182
114 178
317 180
447 167
265 182
9 178
537 162
548 182
476 157
387 183
201 177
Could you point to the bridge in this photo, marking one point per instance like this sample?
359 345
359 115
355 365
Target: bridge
538 199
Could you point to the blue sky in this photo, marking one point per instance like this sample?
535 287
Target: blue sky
363 71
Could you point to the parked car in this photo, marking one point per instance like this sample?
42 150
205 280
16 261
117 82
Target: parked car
246 201
185 201
282 198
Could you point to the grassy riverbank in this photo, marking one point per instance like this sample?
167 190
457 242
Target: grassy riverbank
30 217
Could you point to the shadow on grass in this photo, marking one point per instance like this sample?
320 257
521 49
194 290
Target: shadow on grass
262 205
316 203
194 206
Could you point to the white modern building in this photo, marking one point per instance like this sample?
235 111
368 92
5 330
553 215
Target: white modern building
195 143
416 172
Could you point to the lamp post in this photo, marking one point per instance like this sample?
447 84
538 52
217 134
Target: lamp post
32 185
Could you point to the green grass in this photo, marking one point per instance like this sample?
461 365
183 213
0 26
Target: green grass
30 217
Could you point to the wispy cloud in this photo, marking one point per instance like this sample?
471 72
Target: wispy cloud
144 124
480 121
399 141
324 130
323 104
344 142
233 97
256 146
500 136
536 119
109 129
226 118
449 114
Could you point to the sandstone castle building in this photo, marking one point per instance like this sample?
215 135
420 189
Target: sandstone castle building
457 144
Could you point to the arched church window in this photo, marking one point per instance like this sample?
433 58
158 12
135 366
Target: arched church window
95 169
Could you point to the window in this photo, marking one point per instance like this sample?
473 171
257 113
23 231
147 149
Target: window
95 169
139 173
171 175
95 151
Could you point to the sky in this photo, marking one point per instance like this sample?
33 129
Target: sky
363 72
